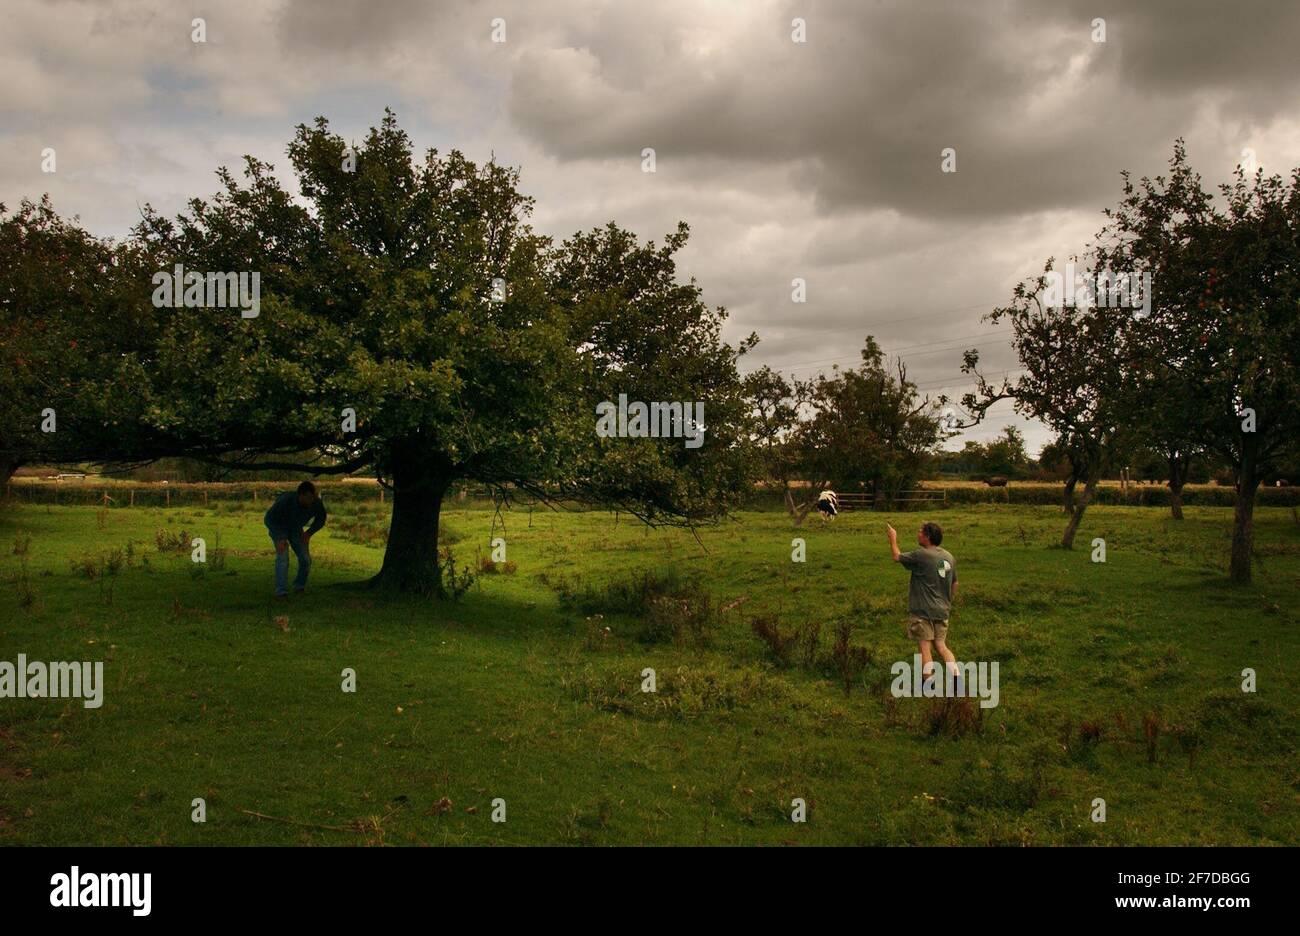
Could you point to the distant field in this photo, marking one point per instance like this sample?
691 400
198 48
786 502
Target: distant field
1059 485
113 494
1119 681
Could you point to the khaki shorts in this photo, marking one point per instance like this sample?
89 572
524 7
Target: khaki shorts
919 628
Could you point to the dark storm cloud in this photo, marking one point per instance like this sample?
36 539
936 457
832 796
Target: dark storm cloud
1041 117
333 27
1194 48
819 161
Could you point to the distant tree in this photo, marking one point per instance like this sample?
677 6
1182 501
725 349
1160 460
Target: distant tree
868 426
952 463
1004 456
1058 460
1147 464
1157 442
65 318
774 414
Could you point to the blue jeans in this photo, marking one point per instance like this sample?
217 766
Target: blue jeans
282 560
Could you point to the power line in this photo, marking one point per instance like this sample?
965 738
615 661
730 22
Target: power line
931 385
927 344
906 318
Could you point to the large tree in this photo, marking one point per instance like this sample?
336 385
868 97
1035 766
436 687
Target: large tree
1159 228
1072 358
1210 365
414 294
1219 356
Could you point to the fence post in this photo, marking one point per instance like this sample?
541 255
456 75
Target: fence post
169 497
132 497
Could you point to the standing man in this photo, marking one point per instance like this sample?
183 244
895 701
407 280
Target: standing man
284 522
930 595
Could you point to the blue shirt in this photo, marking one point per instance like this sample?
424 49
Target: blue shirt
287 516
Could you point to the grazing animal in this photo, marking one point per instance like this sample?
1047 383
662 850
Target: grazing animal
828 505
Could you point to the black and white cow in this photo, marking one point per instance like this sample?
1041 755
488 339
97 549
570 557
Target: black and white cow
828 504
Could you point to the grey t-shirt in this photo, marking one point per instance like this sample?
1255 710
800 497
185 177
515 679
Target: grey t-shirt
934 572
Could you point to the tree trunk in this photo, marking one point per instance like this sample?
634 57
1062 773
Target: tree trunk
801 512
1176 501
1080 505
411 559
798 513
1178 468
7 468
1067 505
1243 522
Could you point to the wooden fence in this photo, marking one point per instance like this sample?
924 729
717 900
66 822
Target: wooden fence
937 498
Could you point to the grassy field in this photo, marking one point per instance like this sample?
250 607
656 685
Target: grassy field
1119 681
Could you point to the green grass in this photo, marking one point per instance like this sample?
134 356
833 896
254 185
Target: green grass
514 693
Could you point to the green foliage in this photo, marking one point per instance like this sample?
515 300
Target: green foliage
867 425
1005 456
26 595
1223 334
1139 495
685 616
784 644
669 609
454 581
849 660
168 542
66 320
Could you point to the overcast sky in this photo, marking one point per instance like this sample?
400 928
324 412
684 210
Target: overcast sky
819 159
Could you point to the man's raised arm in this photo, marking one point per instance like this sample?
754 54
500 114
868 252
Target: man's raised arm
893 541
